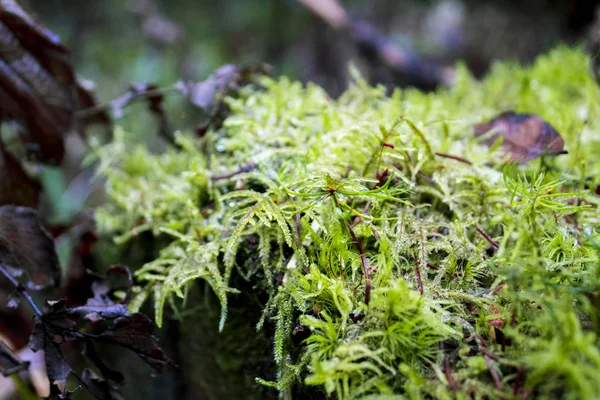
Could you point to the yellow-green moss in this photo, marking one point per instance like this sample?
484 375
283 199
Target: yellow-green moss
284 227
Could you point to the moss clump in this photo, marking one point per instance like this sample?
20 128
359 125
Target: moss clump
333 192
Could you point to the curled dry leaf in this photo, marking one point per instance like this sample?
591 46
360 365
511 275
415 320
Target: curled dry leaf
102 306
526 136
26 247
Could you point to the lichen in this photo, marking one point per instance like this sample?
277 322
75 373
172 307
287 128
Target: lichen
327 193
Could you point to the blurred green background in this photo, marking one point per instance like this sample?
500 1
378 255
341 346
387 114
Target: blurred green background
118 42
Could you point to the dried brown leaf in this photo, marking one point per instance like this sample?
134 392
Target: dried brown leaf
525 136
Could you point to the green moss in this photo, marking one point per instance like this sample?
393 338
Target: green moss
488 324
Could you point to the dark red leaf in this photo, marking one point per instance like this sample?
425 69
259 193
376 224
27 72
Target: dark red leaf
101 389
35 75
526 136
18 20
134 332
50 330
26 247
92 355
52 326
37 83
57 368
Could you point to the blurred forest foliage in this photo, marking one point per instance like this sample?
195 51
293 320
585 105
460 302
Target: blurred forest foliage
116 42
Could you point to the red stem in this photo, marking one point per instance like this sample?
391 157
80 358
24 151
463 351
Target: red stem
245 168
449 376
493 372
487 237
358 219
457 158
419 280
426 177
518 381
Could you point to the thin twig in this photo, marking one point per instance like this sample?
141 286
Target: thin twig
365 263
244 168
22 290
375 234
377 49
457 158
123 101
490 354
487 237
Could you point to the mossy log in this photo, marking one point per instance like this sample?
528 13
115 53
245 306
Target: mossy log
373 246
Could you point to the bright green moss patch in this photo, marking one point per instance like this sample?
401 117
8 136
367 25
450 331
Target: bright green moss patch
448 314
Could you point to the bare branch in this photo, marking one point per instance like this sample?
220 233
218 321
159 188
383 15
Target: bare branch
377 49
